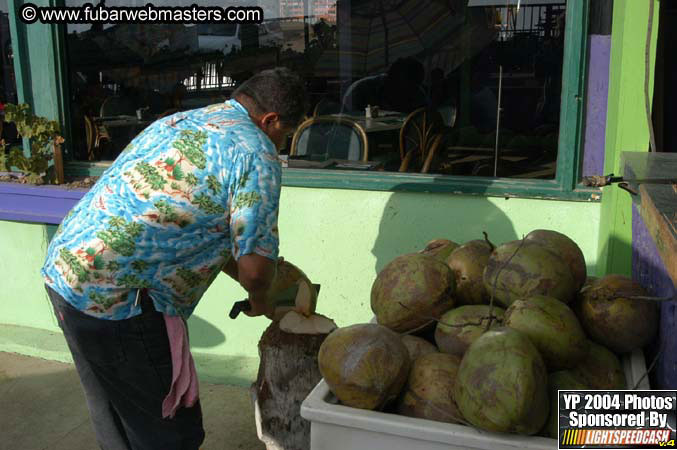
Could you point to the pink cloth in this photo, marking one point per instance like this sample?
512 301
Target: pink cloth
184 391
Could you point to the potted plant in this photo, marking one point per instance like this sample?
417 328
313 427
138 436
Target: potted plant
31 196
45 144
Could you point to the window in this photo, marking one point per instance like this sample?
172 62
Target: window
481 95
8 92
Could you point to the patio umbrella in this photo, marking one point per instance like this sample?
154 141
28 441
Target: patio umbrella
478 33
383 31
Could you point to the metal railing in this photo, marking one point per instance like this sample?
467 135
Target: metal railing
535 20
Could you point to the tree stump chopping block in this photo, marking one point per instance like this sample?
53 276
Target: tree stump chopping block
288 371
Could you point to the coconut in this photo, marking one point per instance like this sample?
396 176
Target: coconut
417 346
439 248
552 327
612 318
429 393
365 365
468 262
566 248
601 369
589 281
461 326
533 270
410 291
562 380
288 275
502 383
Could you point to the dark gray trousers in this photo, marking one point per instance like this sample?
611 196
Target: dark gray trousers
125 368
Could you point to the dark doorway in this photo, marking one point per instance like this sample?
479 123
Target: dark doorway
665 91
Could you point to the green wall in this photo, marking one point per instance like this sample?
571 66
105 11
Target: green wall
627 128
340 238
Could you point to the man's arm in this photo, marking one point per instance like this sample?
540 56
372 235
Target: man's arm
231 270
253 229
255 274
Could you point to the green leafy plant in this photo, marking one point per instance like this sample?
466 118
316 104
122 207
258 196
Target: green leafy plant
44 136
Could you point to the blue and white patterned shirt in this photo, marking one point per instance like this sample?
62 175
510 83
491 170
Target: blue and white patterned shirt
189 192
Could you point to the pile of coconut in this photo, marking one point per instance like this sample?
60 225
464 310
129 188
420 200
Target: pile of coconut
485 336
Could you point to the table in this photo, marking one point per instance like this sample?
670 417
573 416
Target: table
390 122
657 203
122 121
333 164
121 129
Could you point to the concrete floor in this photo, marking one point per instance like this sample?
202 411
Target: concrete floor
42 407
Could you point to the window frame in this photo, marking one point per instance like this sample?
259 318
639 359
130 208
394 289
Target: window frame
565 185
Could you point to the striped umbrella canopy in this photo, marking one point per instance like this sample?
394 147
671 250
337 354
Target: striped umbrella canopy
381 31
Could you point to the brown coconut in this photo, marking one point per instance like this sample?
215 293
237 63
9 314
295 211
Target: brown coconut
411 290
566 248
429 393
461 326
533 270
439 248
417 346
612 318
468 262
365 365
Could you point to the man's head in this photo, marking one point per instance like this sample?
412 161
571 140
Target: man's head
276 100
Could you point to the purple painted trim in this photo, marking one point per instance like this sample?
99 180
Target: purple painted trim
597 94
39 204
648 269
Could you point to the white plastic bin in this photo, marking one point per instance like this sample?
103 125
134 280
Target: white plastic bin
338 427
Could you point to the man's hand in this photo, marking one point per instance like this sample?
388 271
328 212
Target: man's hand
255 274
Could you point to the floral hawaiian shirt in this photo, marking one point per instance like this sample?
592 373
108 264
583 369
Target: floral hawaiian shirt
191 191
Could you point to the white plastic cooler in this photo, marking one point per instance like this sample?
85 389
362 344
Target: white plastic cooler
338 427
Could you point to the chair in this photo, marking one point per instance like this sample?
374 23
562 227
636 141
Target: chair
117 106
325 107
420 137
448 113
95 135
322 138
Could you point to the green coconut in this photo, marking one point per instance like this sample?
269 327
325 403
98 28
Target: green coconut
439 248
601 369
429 392
564 247
562 380
501 384
552 327
461 326
410 290
468 262
533 270
365 365
612 318
417 346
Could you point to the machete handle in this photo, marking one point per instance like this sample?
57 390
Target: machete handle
238 307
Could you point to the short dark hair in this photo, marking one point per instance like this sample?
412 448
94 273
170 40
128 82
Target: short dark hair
276 90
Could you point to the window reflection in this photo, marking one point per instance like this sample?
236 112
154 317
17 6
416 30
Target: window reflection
8 93
483 75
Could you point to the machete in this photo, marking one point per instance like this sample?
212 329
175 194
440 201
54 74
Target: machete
286 298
